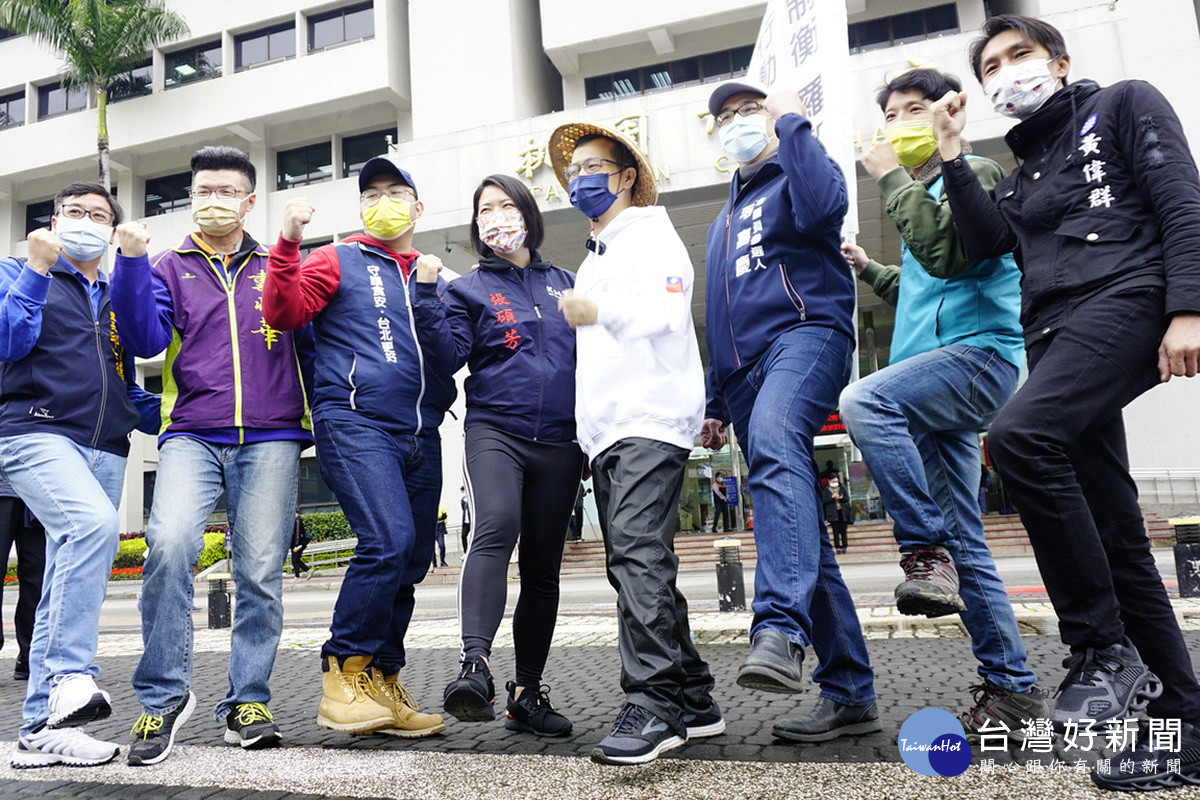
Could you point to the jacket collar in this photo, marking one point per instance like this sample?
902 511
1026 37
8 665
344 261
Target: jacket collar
1033 134
495 263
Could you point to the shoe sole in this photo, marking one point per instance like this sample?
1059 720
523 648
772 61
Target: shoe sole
703 731
370 726
766 679
34 760
524 727
183 717
855 729
1151 782
97 707
929 605
600 757
273 739
468 706
420 733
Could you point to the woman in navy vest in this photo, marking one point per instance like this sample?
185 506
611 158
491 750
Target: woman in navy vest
521 463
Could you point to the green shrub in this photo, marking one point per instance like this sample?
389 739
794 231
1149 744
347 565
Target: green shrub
214 550
327 526
130 554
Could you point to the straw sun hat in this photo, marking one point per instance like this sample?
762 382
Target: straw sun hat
562 148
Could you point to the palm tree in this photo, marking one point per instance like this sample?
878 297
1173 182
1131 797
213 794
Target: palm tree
100 41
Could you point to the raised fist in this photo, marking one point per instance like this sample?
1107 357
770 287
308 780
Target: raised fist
133 238
296 214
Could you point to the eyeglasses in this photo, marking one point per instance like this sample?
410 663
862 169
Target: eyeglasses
99 215
591 166
371 196
225 193
744 110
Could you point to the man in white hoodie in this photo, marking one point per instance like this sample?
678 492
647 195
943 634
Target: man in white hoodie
639 405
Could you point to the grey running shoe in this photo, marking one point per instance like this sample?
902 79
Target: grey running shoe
154 736
997 709
252 726
930 583
701 724
1104 683
638 736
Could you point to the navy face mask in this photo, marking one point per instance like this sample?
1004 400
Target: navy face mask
590 194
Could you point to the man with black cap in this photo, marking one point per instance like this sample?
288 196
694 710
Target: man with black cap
383 381
780 311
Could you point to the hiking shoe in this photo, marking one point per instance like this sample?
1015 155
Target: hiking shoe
154 735
930 583
704 723
829 720
1104 683
407 721
775 664
47 746
252 726
349 702
472 695
75 700
532 712
1145 769
637 736
997 709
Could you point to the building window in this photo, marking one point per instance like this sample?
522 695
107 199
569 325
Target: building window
660 77
913 26
193 64
315 494
357 150
304 165
168 193
135 83
37 215
12 109
342 25
269 44
53 100
308 247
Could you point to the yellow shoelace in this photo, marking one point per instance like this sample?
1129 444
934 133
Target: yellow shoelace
146 724
249 713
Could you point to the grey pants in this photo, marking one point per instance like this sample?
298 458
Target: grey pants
637 484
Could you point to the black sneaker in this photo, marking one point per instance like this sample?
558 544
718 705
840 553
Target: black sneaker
1104 683
829 720
154 736
532 712
997 709
703 723
1147 770
252 726
21 669
930 583
472 697
638 736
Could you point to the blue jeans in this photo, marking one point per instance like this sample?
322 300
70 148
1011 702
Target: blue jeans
917 425
74 492
778 405
260 484
388 486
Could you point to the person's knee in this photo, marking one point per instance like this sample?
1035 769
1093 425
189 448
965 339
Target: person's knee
853 402
1008 441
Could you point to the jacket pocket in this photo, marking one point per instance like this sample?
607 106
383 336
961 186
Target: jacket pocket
792 295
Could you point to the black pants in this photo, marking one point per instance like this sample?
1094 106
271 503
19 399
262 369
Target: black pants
466 536
576 527
517 487
637 484
31 561
1059 445
840 536
298 565
439 541
720 514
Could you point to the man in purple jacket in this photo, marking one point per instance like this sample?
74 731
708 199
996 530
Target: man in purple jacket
234 418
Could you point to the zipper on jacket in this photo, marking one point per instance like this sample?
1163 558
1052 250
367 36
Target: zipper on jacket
350 380
537 422
87 304
227 281
737 360
791 292
412 326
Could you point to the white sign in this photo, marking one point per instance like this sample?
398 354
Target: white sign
804 44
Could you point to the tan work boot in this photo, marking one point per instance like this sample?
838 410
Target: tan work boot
408 722
349 703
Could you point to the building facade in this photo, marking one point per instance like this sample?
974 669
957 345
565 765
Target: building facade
460 89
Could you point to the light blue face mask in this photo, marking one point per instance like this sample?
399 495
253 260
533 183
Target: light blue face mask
744 138
82 239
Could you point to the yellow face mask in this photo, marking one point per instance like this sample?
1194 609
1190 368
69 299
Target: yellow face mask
385 219
913 141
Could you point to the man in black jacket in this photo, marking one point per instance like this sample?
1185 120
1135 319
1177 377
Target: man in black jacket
1104 214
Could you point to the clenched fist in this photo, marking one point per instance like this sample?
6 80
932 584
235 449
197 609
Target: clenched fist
786 101
428 267
296 214
880 159
44 248
577 310
133 238
949 119
855 256
712 434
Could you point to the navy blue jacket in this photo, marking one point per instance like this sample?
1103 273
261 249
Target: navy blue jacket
521 351
63 369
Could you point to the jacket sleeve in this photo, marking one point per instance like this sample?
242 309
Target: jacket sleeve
22 297
433 331
149 406
714 405
927 224
462 325
884 281
294 293
815 183
1166 175
657 301
983 229
142 304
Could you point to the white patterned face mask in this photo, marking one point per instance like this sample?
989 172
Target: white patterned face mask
1018 90
504 230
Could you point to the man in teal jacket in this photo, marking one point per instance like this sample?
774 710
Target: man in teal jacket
955 359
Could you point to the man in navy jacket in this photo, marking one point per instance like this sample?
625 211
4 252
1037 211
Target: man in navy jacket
780 341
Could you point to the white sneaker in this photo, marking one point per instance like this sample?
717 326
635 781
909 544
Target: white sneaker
71 746
76 700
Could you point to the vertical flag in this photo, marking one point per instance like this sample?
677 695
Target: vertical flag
804 45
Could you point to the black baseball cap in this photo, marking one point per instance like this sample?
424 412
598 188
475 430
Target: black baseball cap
381 165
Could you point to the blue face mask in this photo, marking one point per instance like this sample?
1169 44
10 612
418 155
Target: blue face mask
744 137
590 194
82 239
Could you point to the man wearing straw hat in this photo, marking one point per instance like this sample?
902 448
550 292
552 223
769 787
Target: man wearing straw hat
639 403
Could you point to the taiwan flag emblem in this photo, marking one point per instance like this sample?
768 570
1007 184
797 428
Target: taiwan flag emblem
674 284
